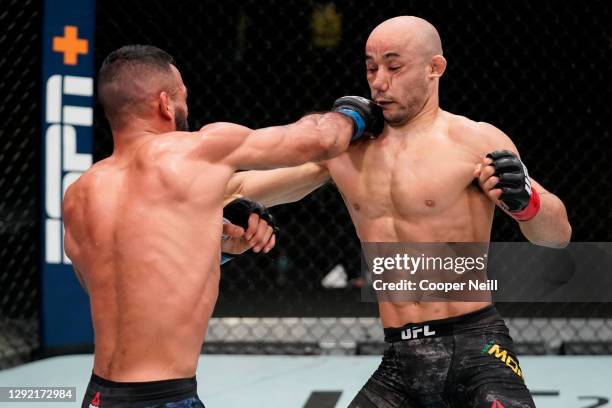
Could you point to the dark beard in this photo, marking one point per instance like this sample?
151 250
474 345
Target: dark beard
180 119
413 108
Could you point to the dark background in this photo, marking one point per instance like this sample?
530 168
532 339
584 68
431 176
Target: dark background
20 145
537 70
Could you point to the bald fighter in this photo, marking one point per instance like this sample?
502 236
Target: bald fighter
431 176
144 226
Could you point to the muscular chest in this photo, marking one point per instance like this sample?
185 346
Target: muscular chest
425 177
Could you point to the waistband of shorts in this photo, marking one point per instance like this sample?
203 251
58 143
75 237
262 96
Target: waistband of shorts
438 328
179 388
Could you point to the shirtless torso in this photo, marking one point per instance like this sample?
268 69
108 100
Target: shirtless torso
418 187
412 184
427 178
143 231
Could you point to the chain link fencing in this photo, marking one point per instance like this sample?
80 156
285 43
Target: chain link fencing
532 69
19 188
536 70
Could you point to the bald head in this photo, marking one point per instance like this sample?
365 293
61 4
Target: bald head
409 34
404 63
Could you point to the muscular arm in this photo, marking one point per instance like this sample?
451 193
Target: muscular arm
69 210
280 186
313 138
550 226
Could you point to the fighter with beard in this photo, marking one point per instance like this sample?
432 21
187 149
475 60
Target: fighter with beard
430 177
144 226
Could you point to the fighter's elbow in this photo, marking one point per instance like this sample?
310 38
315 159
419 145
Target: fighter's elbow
556 244
566 235
333 134
327 146
332 141
559 240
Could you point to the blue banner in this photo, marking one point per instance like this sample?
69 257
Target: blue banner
67 139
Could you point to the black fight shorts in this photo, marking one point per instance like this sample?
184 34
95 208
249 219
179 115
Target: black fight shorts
464 361
179 393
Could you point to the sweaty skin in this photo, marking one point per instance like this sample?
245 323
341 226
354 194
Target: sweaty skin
414 183
143 230
418 189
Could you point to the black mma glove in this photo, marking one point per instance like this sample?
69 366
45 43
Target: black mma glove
519 197
366 115
238 212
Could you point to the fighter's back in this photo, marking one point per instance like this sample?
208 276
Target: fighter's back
143 228
143 233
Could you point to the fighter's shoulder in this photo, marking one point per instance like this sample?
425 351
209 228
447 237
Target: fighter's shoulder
217 140
223 133
161 150
221 128
71 193
76 191
164 145
89 176
482 134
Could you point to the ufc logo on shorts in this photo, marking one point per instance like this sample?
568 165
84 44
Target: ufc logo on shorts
63 164
416 332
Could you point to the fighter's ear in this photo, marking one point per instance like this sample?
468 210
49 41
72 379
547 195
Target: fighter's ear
165 109
437 65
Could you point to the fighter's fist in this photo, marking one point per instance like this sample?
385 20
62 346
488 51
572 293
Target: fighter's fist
366 115
505 180
249 225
